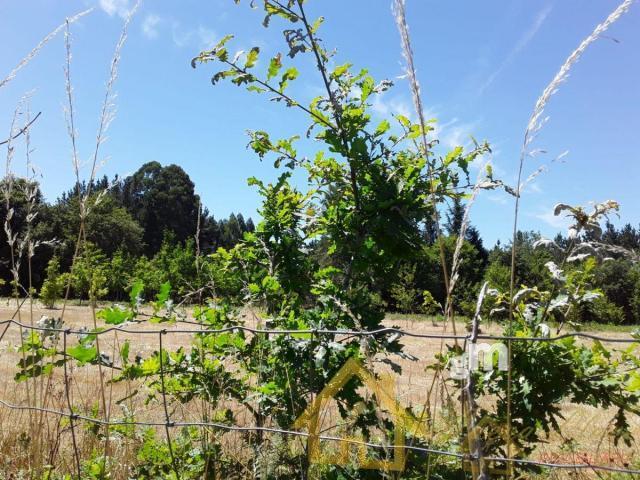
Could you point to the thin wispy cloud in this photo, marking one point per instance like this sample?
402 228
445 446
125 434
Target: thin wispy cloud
115 7
558 222
451 133
498 199
522 43
455 133
150 26
386 106
200 37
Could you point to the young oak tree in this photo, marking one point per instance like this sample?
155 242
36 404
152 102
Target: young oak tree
369 190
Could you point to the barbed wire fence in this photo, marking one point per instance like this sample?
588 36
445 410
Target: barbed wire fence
168 424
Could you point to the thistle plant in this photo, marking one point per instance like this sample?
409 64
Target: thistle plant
550 373
537 120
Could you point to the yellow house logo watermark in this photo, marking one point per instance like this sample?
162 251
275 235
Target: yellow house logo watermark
384 391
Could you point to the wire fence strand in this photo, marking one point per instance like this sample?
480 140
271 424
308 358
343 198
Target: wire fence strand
169 424
356 333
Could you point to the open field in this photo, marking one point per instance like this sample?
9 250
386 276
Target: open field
585 436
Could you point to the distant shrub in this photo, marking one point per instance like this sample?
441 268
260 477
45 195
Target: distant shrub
405 295
602 310
53 285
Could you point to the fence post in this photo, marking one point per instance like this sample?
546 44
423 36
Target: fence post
478 464
167 419
72 416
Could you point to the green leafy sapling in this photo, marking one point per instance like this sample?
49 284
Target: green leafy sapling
53 285
369 188
547 374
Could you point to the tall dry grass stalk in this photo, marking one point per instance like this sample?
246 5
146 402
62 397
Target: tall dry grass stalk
456 261
399 14
15 241
107 115
22 247
108 112
536 122
30 56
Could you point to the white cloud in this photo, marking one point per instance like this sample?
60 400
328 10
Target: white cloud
150 25
115 7
206 37
498 198
386 107
524 40
201 37
532 187
558 222
454 133
451 133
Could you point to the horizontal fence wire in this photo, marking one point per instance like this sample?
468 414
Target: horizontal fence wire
168 424
295 433
354 333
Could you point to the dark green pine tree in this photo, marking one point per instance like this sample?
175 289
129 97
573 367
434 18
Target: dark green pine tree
162 200
455 217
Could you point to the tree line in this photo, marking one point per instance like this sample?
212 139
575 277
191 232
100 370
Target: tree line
131 222
616 278
152 226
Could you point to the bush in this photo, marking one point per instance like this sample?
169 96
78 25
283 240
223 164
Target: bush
498 276
405 295
89 274
602 310
53 285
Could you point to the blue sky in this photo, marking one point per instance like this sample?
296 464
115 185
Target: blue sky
481 65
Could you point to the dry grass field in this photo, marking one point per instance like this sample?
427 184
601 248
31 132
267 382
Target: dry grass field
585 438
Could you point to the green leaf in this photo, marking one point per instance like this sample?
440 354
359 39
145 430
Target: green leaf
252 57
268 388
634 383
135 295
115 315
163 294
383 127
151 365
270 284
222 75
223 340
222 54
316 24
453 155
366 88
124 351
289 74
340 70
274 67
224 40
83 354
404 121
